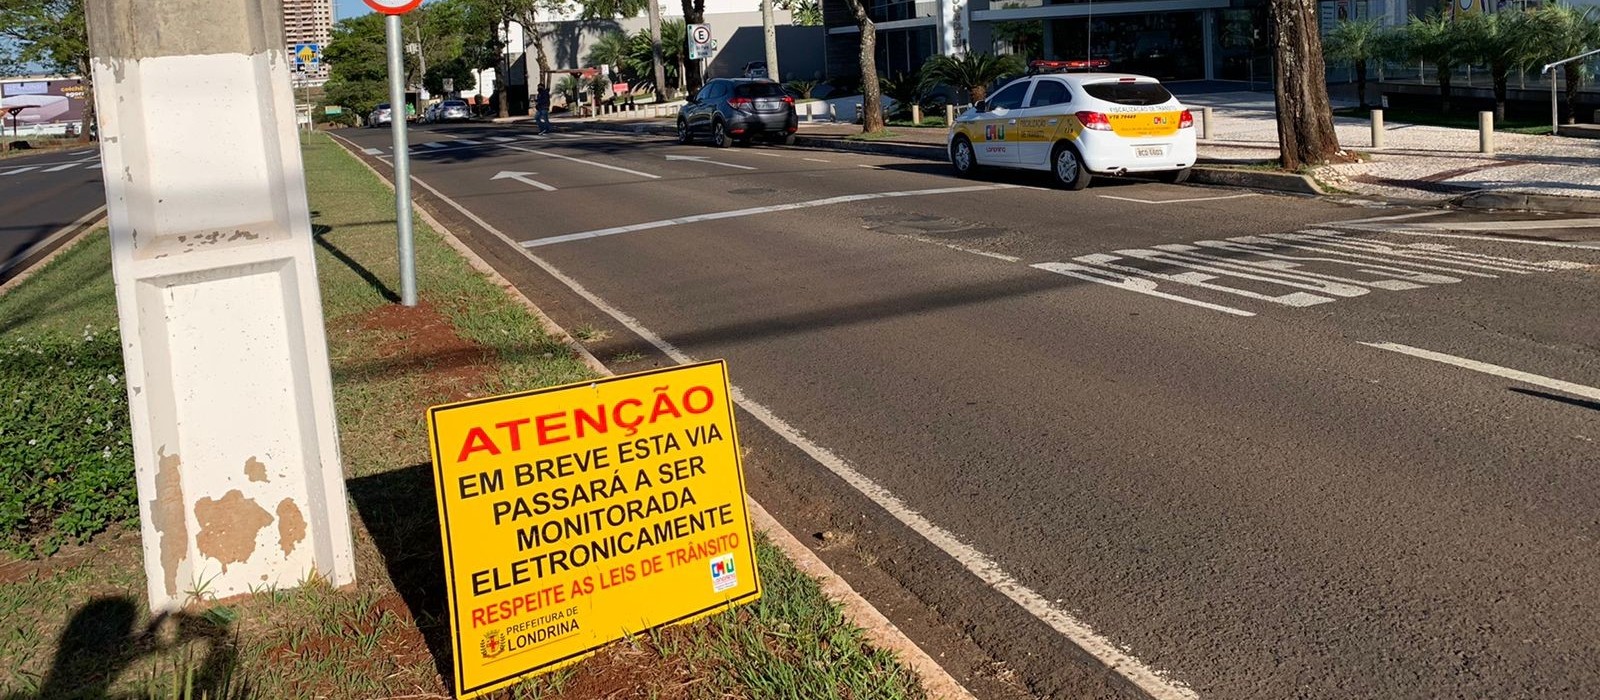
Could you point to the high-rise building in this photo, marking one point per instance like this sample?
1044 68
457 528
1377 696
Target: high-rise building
308 22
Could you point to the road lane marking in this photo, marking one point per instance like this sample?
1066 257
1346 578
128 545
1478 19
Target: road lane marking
981 565
547 154
432 144
1501 225
372 151
20 170
752 211
1497 239
96 166
707 160
468 142
1393 217
1179 201
817 160
60 168
501 139
1131 284
1564 387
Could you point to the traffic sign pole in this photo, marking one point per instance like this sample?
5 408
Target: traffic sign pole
402 163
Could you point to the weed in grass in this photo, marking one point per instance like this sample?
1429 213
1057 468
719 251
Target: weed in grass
589 334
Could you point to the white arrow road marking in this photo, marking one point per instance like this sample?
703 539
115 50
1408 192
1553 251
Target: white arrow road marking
1564 387
708 161
548 154
522 178
372 151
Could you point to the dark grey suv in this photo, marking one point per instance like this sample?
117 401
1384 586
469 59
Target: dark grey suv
738 110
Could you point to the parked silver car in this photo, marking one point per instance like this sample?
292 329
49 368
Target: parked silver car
380 116
452 111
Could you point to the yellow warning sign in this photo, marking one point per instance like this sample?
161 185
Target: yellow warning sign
576 515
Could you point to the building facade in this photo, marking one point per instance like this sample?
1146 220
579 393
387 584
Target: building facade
308 22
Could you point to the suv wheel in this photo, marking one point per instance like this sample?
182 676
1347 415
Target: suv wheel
1174 177
963 158
1067 167
683 131
719 135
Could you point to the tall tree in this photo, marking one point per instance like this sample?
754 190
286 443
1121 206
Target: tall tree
358 68
52 33
871 91
1305 118
694 12
1356 41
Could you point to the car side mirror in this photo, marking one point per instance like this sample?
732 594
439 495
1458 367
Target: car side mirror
981 105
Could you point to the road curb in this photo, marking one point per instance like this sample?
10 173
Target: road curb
1294 183
879 629
1520 201
25 264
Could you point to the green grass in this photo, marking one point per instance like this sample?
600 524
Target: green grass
927 123
884 135
1454 121
79 626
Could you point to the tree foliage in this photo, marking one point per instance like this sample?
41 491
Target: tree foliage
1565 31
802 13
1358 42
971 72
358 69
51 34
1022 37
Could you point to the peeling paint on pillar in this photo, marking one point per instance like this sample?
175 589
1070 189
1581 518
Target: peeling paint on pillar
291 526
255 470
228 527
166 515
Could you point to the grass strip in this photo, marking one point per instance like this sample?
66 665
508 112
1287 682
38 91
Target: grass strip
75 623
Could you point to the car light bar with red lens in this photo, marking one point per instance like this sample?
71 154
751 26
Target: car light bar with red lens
1044 66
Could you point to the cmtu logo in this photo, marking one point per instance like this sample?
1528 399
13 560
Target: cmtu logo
1159 120
994 132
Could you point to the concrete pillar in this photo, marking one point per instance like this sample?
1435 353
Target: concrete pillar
949 114
1205 123
1486 132
235 443
916 114
1377 129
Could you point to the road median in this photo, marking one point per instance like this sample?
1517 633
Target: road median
73 585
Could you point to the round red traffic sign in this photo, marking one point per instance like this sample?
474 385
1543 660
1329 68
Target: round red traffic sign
393 7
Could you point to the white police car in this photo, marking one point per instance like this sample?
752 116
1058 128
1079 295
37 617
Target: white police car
1076 126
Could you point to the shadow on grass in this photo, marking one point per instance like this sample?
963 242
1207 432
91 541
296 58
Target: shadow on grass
319 233
400 512
103 641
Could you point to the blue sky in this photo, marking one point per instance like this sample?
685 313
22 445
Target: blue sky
348 8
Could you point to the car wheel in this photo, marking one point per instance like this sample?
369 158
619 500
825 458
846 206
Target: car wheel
786 139
1174 177
963 158
683 131
719 135
1067 167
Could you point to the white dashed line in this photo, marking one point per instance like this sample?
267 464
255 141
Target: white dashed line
817 160
617 168
1564 387
20 170
372 151
736 213
60 168
1498 239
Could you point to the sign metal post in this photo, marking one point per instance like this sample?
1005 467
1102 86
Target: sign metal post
397 126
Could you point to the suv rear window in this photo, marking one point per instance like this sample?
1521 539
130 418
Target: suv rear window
758 90
453 103
1135 94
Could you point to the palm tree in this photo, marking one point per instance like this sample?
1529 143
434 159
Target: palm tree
972 72
1435 39
1502 40
1565 31
1357 42
611 49
571 88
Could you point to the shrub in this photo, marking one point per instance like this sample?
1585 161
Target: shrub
65 456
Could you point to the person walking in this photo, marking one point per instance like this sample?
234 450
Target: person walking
541 104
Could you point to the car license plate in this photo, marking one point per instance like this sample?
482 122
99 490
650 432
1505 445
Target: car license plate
1149 151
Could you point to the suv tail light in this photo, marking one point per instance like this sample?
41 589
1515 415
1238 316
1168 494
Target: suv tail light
1094 120
1186 120
788 99
742 103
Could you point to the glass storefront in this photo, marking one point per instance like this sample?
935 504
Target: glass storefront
903 51
1165 46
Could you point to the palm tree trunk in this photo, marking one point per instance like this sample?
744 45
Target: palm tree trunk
1500 79
1574 73
1361 83
1444 87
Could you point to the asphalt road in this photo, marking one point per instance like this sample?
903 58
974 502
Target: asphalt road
1236 445
41 194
